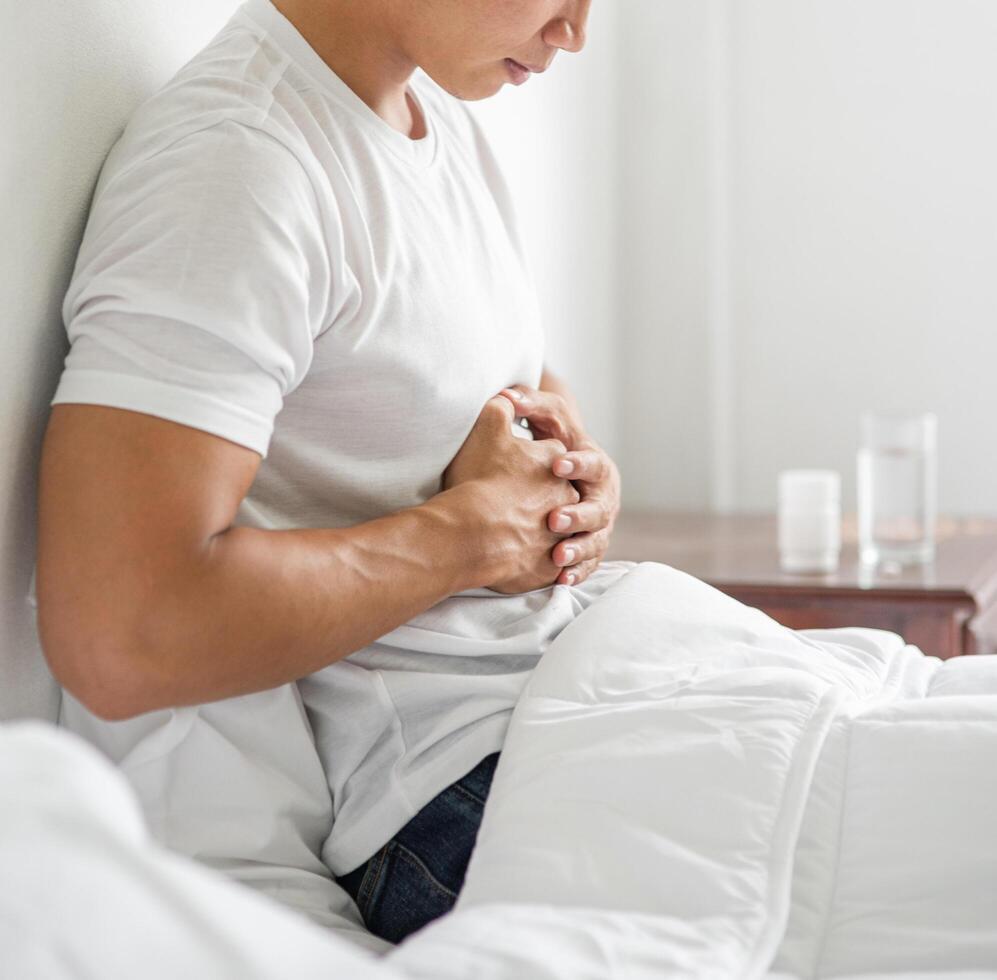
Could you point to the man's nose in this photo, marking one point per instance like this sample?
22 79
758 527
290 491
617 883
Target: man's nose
567 32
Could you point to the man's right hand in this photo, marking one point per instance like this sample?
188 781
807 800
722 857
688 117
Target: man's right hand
514 490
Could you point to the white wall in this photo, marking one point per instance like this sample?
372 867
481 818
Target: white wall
665 193
557 140
811 230
73 72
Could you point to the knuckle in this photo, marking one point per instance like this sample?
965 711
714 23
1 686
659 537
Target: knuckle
494 409
494 403
597 514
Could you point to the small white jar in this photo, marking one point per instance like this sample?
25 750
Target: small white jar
809 520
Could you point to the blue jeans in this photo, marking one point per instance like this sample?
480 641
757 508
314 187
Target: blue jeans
418 874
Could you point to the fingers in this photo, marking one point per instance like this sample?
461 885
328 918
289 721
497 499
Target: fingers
499 411
577 573
517 394
580 548
549 414
590 465
551 450
591 514
579 556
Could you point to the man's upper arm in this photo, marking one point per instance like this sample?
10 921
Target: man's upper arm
128 504
197 293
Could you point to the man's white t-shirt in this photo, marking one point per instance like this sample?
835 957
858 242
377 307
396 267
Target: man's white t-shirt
268 261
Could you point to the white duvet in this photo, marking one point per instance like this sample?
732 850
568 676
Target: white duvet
687 790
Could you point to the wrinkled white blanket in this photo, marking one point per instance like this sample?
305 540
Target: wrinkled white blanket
687 790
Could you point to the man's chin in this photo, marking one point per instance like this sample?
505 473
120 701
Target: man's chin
470 89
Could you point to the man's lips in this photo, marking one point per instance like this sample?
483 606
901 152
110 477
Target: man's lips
536 69
517 72
520 72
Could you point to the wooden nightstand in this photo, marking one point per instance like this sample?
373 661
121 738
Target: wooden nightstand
947 608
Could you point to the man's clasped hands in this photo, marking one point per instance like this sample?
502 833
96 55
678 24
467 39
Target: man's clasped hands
557 495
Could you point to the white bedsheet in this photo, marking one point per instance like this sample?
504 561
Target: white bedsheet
687 790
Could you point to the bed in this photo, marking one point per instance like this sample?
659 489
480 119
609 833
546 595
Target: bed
688 789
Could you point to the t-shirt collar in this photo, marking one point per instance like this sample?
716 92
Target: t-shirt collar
287 37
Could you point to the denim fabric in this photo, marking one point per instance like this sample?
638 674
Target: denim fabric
418 874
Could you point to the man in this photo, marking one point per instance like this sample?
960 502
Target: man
301 224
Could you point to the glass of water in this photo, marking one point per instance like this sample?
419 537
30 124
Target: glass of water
897 489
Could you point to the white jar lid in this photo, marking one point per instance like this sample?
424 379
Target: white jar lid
809 489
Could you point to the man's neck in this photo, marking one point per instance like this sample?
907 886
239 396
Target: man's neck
355 40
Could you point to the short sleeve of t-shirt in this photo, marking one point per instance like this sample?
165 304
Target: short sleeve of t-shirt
201 285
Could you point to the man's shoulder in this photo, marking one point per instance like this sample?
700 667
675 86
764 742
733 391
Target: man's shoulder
227 89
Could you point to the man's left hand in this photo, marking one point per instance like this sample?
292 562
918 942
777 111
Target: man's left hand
594 475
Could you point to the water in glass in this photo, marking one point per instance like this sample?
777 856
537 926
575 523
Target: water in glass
896 500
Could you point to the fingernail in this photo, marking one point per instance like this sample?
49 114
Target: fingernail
562 522
569 556
570 580
563 467
518 395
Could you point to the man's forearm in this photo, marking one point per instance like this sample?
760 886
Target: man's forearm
263 608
